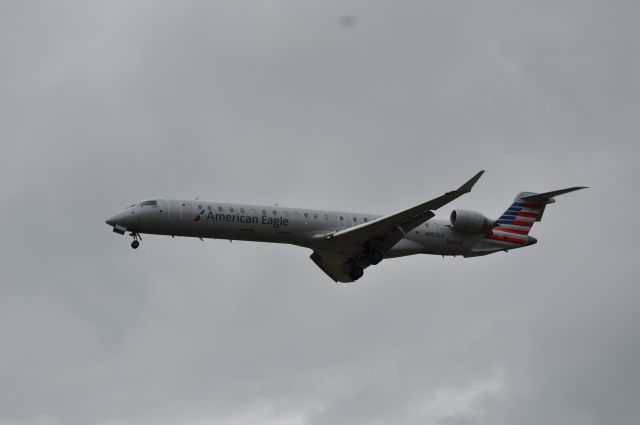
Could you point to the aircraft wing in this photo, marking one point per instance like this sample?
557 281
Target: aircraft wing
334 264
343 247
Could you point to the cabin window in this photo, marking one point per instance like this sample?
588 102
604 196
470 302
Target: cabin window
355 219
275 212
241 210
315 216
264 212
306 215
326 216
220 209
341 218
199 207
230 209
365 219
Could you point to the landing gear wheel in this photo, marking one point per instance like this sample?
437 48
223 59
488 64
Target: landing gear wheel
356 273
376 256
136 243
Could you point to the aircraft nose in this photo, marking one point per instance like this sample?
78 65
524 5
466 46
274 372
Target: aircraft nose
113 220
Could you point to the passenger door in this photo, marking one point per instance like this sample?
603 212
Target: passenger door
175 210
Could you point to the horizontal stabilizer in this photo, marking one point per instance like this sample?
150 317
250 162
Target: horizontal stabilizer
547 196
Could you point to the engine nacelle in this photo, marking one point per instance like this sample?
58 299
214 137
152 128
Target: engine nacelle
470 221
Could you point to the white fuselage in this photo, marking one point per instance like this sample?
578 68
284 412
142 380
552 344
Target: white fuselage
297 226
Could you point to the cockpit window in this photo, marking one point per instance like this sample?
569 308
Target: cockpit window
149 204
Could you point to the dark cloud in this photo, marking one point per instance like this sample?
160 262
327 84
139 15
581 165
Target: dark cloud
265 102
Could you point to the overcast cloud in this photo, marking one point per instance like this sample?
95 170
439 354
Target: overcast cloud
103 104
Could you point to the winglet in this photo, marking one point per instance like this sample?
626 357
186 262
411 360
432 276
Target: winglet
466 188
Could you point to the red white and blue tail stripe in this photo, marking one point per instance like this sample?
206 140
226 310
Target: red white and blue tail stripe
513 226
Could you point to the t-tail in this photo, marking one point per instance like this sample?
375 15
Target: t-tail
513 227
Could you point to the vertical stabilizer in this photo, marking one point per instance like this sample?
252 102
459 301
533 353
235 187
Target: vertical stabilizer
514 225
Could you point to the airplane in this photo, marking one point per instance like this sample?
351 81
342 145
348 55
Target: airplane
344 244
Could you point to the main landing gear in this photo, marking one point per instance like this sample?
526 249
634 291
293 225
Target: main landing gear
356 272
136 243
376 256
371 256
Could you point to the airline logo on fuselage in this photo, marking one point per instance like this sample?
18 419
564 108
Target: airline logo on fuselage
274 222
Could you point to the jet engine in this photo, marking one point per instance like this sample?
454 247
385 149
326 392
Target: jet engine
470 221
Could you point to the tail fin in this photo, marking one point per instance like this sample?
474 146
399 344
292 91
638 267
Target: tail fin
514 224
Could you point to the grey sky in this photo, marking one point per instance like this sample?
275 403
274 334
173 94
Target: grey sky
106 103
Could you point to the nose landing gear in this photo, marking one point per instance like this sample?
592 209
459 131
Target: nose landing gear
136 243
